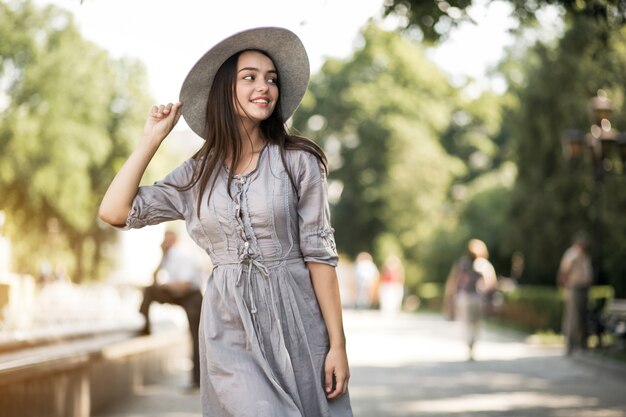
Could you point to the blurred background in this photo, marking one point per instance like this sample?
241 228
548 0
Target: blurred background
443 121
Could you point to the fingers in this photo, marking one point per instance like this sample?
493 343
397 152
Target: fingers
328 380
340 385
176 110
163 111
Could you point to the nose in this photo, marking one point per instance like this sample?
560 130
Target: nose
262 85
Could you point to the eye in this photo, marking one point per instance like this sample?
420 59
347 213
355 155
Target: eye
272 80
249 77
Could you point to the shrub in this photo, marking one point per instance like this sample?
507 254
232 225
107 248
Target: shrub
539 308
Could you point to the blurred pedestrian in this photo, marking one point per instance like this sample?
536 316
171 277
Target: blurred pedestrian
177 280
366 277
391 289
471 281
255 198
575 276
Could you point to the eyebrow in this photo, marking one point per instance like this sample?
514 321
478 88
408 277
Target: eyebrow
255 69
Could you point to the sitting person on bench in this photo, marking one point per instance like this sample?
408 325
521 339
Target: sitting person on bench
177 281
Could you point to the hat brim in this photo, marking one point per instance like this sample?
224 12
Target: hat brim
281 45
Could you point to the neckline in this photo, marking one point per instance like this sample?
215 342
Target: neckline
256 168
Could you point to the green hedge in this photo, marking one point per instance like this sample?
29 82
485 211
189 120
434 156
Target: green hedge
540 308
533 308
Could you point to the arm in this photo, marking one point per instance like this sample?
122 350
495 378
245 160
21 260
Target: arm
118 199
564 269
450 291
324 279
489 280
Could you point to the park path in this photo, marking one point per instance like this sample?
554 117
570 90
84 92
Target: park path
415 365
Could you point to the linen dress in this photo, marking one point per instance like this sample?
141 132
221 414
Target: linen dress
263 341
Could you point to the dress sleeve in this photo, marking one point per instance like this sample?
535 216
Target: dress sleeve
317 241
162 201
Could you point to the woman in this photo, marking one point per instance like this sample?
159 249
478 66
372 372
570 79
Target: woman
471 280
254 197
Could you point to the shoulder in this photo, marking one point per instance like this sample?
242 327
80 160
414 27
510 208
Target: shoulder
301 156
304 164
483 265
183 173
570 254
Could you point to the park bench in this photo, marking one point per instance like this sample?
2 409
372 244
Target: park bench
615 321
82 375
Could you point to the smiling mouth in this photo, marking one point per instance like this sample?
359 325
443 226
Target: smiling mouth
261 101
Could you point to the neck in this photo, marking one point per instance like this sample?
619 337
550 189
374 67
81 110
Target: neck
252 139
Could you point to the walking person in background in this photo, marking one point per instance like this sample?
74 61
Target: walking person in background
255 198
391 288
366 277
471 280
575 276
177 280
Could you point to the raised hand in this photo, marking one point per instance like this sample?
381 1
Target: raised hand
118 199
161 120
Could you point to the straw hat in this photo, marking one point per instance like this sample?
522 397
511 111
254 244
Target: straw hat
281 45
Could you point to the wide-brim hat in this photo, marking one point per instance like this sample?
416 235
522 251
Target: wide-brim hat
281 45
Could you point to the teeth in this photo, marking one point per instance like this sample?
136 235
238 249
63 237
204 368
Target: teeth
261 101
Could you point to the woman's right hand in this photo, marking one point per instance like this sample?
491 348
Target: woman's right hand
162 120
117 201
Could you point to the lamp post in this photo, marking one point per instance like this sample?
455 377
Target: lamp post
602 144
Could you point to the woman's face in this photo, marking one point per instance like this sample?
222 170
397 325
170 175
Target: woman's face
256 86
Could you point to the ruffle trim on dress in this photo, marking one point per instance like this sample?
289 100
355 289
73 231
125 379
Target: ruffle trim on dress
133 220
329 236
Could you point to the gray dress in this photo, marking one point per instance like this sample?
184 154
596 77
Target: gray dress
263 340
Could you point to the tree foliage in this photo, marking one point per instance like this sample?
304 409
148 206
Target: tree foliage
421 169
68 111
550 199
550 84
379 115
435 18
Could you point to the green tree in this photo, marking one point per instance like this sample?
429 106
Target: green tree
435 18
69 111
550 200
550 84
478 198
379 115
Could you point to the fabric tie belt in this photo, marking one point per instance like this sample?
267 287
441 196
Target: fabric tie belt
247 263
262 269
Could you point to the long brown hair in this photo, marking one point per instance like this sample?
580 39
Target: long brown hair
222 137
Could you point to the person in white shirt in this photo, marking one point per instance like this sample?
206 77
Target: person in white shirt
366 276
177 281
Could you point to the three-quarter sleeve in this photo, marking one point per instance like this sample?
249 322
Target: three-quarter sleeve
162 201
317 240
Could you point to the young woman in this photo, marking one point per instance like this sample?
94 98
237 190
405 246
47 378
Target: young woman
254 197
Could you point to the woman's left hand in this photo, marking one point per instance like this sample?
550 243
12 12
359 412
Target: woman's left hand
336 373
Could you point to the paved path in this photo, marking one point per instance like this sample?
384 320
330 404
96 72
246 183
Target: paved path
415 365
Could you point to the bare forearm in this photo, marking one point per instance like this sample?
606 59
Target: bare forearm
336 369
119 197
324 279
